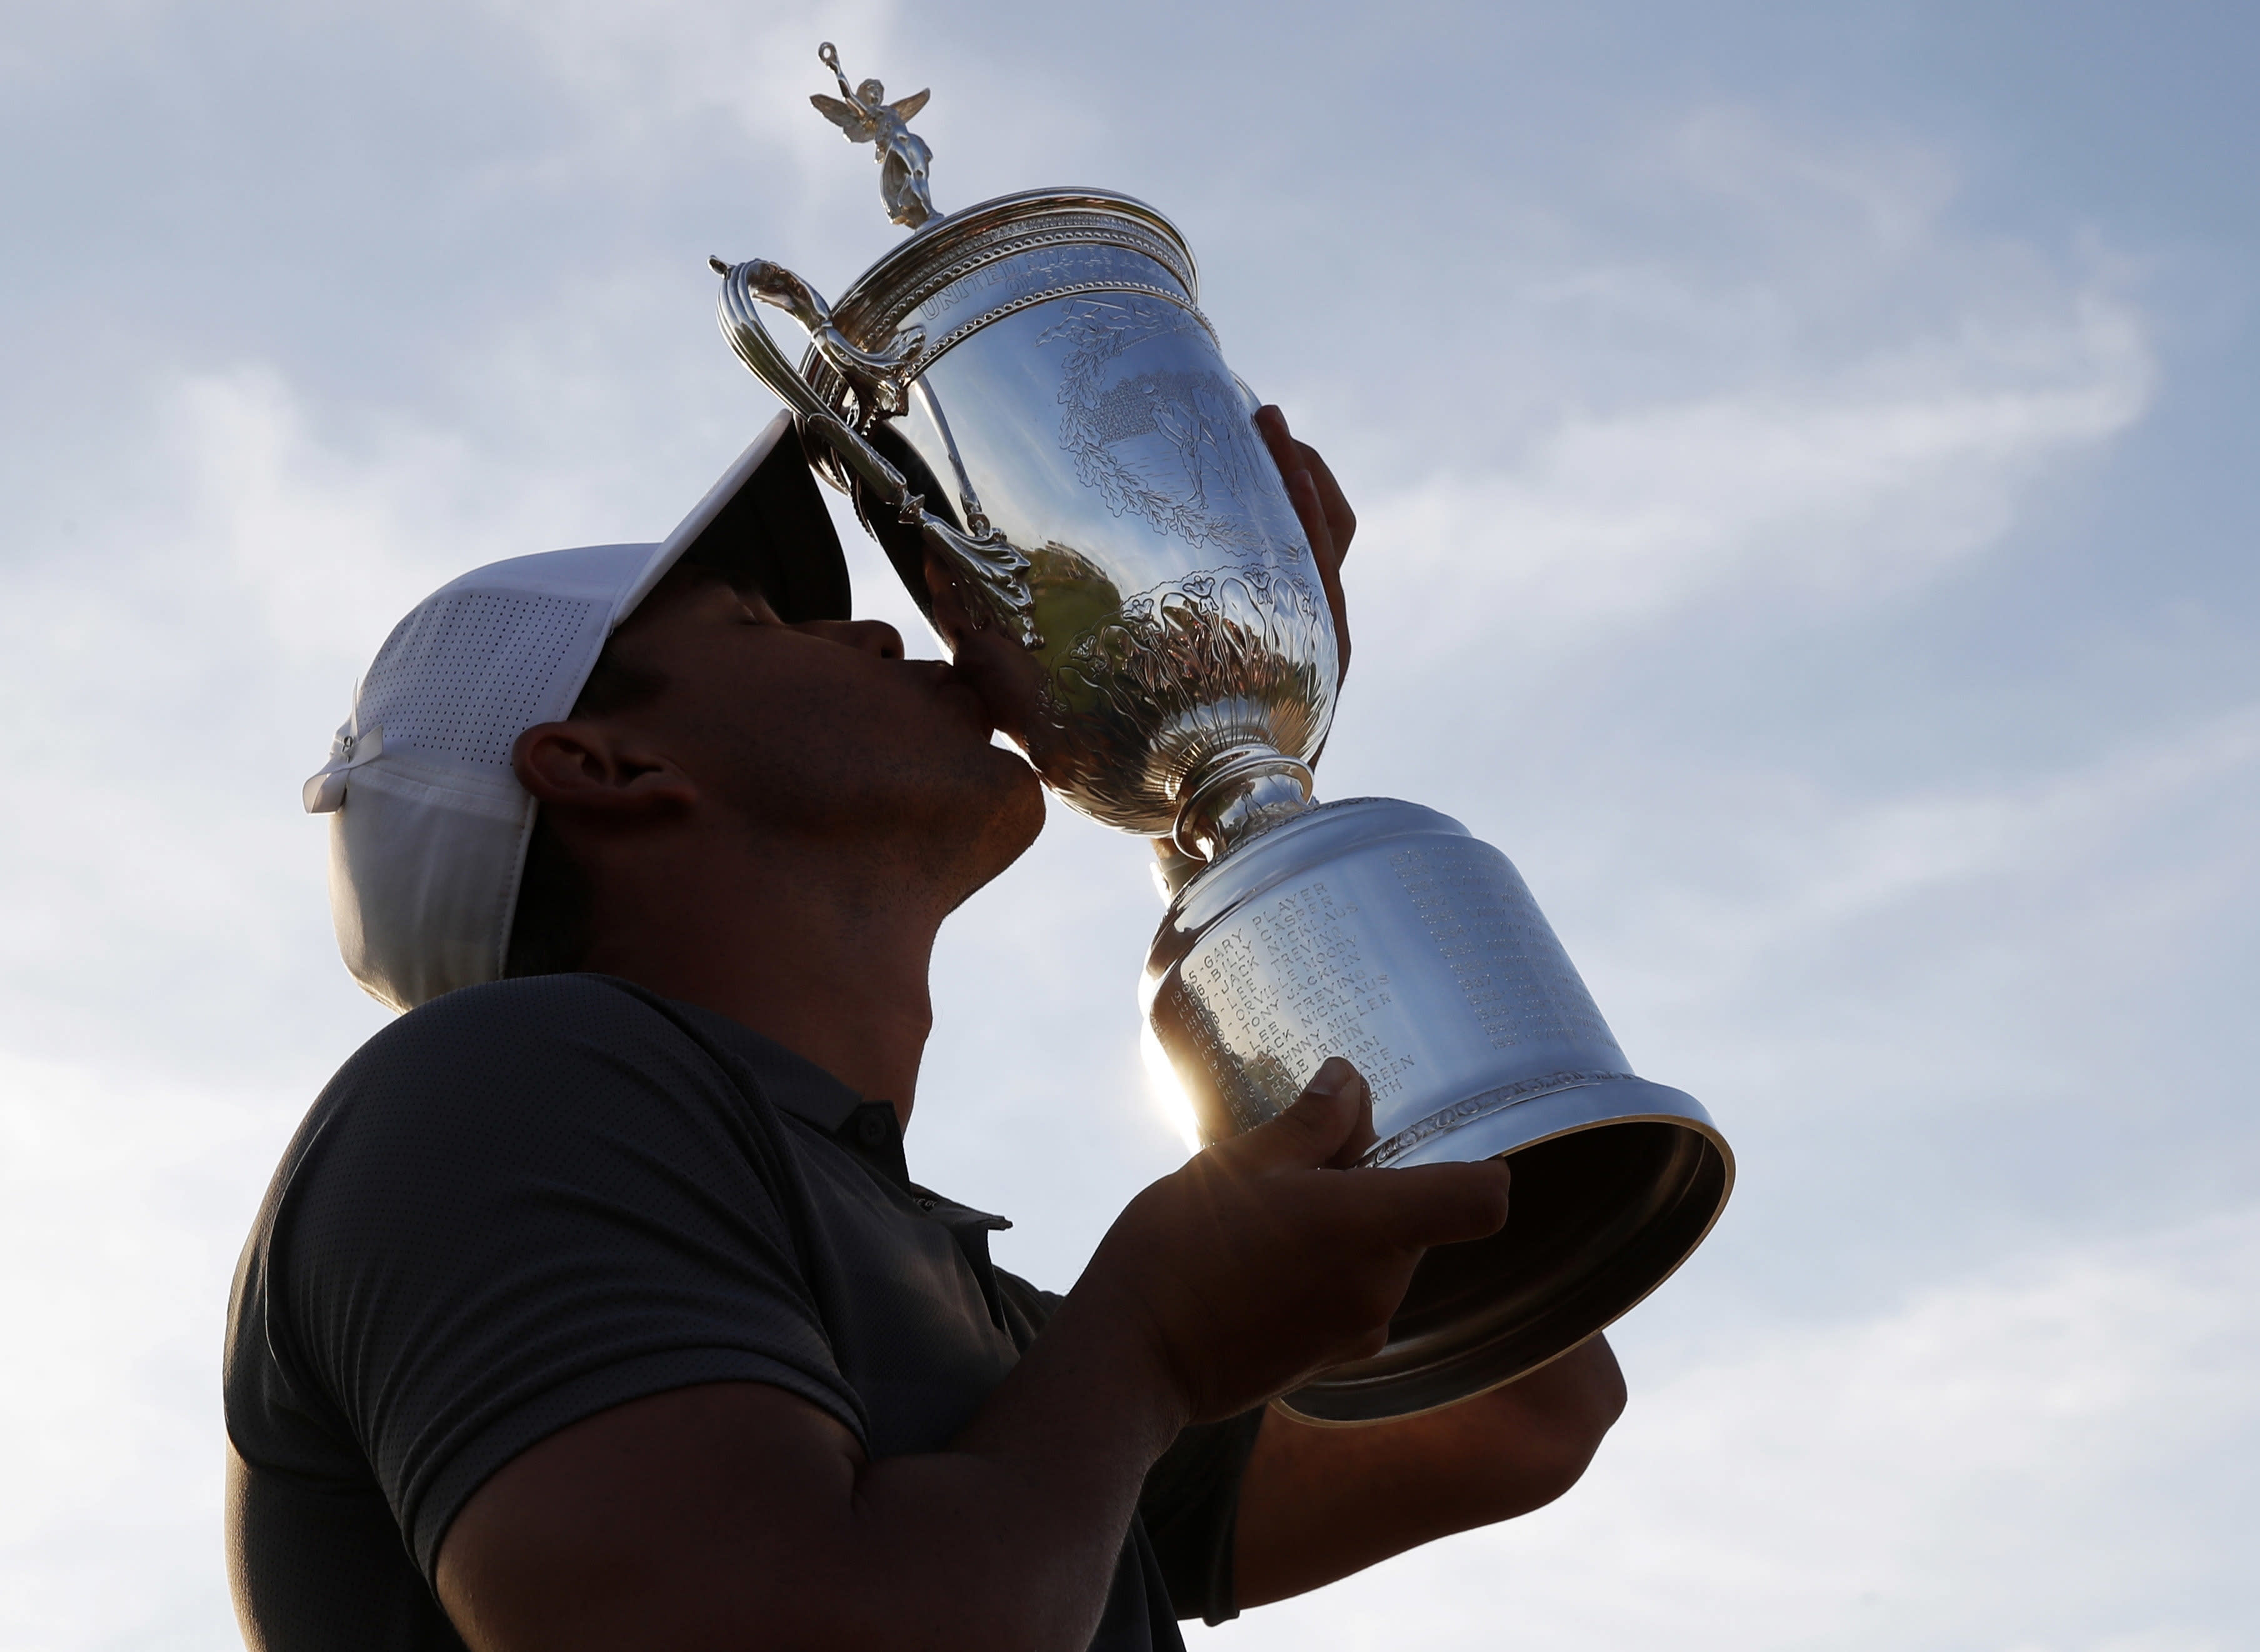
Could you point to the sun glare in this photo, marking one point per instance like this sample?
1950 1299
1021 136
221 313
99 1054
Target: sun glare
1169 1093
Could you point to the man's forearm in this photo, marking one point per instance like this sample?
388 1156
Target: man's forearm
660 1524
1319 1503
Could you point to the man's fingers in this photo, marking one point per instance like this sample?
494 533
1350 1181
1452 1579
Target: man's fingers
1341 521
1326 516
1286 452
1324 1119
1310 512
1302 491
1303 486
1292 455
1435 1204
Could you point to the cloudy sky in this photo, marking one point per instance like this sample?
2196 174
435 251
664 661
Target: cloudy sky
1805 462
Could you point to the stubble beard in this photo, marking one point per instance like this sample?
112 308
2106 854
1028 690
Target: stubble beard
931 830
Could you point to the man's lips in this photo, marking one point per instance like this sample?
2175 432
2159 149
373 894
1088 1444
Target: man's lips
1007 677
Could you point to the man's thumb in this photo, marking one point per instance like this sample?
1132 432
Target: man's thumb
1310 1133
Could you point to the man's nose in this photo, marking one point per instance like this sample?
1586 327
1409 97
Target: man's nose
873 636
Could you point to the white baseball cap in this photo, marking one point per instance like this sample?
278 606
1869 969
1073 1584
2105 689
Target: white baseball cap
428 825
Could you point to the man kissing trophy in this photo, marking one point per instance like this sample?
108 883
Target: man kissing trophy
1036 423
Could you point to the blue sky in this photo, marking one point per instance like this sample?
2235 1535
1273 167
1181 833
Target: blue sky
1808 522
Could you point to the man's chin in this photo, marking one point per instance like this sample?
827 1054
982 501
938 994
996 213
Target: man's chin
1013 811
1026 796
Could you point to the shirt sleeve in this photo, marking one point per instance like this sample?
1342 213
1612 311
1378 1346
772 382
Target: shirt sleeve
525 1204
1191 1502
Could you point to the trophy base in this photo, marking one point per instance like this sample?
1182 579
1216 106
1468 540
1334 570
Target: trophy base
1382 931
1616 1181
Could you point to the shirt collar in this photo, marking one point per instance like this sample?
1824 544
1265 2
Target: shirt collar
869 1129
793 1082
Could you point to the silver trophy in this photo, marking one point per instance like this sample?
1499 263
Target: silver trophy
1035 421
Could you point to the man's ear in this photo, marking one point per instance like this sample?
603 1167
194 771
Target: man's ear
596 770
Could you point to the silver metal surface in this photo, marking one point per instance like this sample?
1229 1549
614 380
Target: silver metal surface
1035 421
1381 932
1028 390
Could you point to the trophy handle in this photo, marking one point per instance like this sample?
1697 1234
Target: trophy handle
882 378
998 569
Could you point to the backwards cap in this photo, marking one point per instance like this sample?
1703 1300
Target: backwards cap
428 825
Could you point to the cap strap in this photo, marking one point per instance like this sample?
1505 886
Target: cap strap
325 790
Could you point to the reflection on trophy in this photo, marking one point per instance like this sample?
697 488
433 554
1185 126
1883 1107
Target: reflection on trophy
1035 421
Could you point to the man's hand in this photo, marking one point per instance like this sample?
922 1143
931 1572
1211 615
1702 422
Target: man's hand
1328 520
1319 1503
737 1514
1264 1261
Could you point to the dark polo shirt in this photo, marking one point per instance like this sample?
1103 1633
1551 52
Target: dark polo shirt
524 1203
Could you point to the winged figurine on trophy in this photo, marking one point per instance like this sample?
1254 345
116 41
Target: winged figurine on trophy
863 113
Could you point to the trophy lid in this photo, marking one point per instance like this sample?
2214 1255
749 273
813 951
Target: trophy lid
958 274
947 276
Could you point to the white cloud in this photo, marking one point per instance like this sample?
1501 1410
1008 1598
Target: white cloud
1801 864
1871 479
323 551
123 1201
676 58
656 81
1886 198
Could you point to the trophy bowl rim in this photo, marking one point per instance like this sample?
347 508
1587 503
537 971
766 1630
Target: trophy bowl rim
940 236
